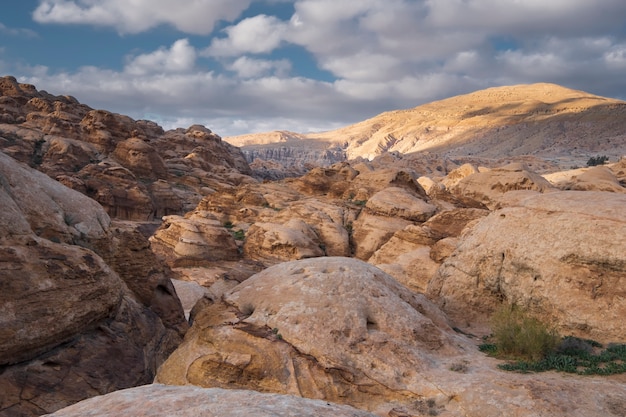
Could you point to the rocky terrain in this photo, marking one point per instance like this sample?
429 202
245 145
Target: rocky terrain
133 168
356 287
545 121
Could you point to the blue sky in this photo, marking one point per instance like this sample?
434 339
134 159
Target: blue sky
243 66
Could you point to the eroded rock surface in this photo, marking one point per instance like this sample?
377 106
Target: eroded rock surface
163 401
118 161
558 254
341 330
87 309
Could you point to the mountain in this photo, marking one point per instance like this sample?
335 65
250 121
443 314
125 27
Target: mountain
542 120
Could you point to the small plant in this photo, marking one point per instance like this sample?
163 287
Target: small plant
518 335
610 361
228 225
534 347
597 160
239 234
277 334
360 203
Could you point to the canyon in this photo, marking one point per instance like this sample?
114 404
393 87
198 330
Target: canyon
351 272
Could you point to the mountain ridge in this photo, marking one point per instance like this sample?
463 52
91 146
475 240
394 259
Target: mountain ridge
527 119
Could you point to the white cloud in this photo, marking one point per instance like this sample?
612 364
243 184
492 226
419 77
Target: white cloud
258 34
246 67
23 32
181 57
615 57
197 17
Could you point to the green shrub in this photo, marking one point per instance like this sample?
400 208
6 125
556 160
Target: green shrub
597 160
518 335
239 234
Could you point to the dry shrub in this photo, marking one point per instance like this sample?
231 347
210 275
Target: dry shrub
518 335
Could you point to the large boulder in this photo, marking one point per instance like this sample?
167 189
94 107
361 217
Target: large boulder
489 186
398 202
561 255
86 307
332 328
157 400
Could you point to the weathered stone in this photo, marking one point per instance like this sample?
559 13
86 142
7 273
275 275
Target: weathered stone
558 254
488 187
162 401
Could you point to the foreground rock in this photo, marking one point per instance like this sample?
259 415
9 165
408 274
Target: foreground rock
86 307
331 328
164 401
561 255
341 330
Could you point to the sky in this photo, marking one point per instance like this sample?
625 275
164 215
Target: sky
246 66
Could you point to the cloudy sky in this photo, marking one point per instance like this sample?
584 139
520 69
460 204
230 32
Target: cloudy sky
241 66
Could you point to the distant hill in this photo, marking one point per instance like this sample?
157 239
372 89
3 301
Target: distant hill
541 120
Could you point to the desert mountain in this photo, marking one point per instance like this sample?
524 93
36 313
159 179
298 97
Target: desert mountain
541 120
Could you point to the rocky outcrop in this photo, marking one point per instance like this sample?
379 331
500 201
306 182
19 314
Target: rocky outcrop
120 162
340 330
330 328
413 255
487 187
558 254
162 401
87 309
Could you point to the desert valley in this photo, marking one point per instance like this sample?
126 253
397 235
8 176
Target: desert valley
355 272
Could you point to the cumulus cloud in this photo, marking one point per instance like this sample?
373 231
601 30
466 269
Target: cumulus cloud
28 33
246 67
258 34
180 57
195 17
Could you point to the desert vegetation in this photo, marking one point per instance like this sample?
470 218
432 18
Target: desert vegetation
530 345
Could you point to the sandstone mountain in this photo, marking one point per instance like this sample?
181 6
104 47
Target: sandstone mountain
542 120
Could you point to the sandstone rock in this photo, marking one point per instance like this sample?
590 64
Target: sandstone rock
86 309
398 202
598 178
272 243
70 141
455 176
370 233
157 400
328 221
344 331
340 330
559 255
141 158
194 240
488 187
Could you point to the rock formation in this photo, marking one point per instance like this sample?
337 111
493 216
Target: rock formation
163 401
134 169
366 282
87 308
341 330
559 255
